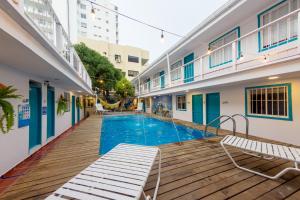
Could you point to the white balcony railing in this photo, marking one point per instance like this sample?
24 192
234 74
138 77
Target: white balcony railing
254 49
45 20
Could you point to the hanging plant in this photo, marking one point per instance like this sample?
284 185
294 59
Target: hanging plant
78 103
62 105
7 110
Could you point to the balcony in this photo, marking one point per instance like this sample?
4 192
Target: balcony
40 21
271 43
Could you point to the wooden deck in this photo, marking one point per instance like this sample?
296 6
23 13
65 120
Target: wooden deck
195 170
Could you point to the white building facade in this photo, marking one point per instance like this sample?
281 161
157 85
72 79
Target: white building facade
77 18
39 61
243 59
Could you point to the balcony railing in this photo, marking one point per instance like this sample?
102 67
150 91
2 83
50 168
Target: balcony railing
42 15
252 50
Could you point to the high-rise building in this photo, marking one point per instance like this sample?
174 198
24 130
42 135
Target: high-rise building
77 18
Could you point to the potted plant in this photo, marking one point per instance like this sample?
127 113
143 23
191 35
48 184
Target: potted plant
6 108
62 105
78 103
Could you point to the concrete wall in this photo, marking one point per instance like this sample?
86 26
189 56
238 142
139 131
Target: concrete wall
232 101
14 146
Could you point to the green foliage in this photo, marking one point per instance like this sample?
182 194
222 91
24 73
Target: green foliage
78 103
124 88
7 108
102 72
62 105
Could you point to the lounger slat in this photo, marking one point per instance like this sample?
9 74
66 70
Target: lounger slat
231 140
133 156
295 153
124 160
227 138
113 177
97 192
275 150
249 144
239 144
121 163
118 169
281 152
258 147
264 149
270 149
288 153
77 195
253 145
146 161
236 141
139 148
244 143
103 186
109 182
111 172
52 197
107 164
148 154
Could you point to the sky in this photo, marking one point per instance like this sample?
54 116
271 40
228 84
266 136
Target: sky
178 16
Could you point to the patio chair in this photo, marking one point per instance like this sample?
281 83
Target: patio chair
140 107
121 174
100 109
264 150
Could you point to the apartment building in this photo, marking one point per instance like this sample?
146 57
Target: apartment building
131 60
81 18
37 59
243 59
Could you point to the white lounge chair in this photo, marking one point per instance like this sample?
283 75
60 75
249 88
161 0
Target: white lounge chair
121 174
140 107
263 150
100 109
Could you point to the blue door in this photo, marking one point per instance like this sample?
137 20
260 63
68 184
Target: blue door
188 68
50 112
149 84
213 108
162 79
197 104
78 111
73 110
35 124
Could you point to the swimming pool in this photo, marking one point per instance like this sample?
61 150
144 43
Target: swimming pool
139 129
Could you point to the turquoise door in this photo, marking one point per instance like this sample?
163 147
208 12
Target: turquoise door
212 108
149 84
50 112
73 110
188 68
162 79
35 124
197 104
78 113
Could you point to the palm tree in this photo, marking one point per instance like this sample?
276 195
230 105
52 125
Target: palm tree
7 108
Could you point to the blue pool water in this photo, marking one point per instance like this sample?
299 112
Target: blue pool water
138 129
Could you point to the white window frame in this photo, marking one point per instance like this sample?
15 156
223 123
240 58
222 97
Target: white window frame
180 102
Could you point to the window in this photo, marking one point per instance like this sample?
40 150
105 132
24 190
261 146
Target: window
118 58
133 59
132 73
82 6
280 32
67 98
176 70
181 102
83 16
83 25
223 55
272 101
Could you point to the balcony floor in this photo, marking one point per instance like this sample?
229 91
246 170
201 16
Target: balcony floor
197 169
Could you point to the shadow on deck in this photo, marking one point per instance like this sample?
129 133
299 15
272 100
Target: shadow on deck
198 169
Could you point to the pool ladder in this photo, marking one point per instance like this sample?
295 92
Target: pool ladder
232 118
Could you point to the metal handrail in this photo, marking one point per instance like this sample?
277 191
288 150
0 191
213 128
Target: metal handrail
228 117
246 120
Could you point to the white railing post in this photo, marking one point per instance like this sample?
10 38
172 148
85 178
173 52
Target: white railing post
59 37
298 30
234 55
201 72
182 73
169 71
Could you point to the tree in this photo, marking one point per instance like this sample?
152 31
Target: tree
124 89
102 72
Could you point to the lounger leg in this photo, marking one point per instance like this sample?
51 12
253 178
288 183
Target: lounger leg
158 178
281 173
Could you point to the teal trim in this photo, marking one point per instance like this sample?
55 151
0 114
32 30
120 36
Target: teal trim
162 79
290 109
78 113
189 68
238 30
213 108
73 110
181 95
260 49
35 123
197 108
50 112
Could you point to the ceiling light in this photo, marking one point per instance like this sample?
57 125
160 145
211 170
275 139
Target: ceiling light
273 77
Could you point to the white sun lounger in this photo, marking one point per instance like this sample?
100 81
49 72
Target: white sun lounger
121 174
263 149
140 107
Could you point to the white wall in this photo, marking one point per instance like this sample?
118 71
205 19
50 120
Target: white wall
232 101
14 146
